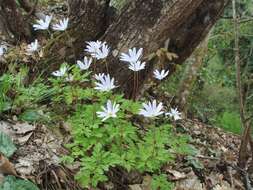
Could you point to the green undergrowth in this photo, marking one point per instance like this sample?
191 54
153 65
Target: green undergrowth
128 141
11 183
118 142
230 121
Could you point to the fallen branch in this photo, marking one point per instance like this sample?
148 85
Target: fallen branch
245 176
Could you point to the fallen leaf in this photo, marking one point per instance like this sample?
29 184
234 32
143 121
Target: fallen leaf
176 175
6 167
223 186
146 184
191 183
24 139
24 167
22 128
135 187
171 56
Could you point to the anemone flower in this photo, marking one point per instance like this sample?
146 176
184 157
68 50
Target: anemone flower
109 111
160 75
85 64
105 83
151 109
61 72
174 113
43 24
33 47
133 55
62 25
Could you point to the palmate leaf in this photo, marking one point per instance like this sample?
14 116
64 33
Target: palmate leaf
7 148
12 183
160 182
4 105
30 116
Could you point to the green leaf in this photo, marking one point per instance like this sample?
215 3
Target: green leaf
12 183
194 162
4 105
131 106
6 145
30 116
161 182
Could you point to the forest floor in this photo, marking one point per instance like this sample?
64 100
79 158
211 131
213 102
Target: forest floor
40 148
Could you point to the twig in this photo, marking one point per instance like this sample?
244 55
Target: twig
231 177
244 173
246 20
207 157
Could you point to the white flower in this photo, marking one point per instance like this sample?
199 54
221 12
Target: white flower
105 83
133 55
85 65
99 76
60 72
3 49
93 46
160 75
109 111
43 24
102 53
62 25
151 109
137 66
69 78
174 113
33 47
98 49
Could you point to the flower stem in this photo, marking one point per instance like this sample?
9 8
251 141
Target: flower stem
50 35
137 84
121 142
134 90
73 94
72 45
106 65
94 66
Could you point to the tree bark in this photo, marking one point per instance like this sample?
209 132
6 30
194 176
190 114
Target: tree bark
31 9
177 25
88 21
190 76
12 23
183 24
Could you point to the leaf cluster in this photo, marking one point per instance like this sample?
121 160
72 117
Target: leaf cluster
127 141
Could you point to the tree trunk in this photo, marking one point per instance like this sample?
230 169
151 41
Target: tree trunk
177 25
88 21
190 76
12 23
